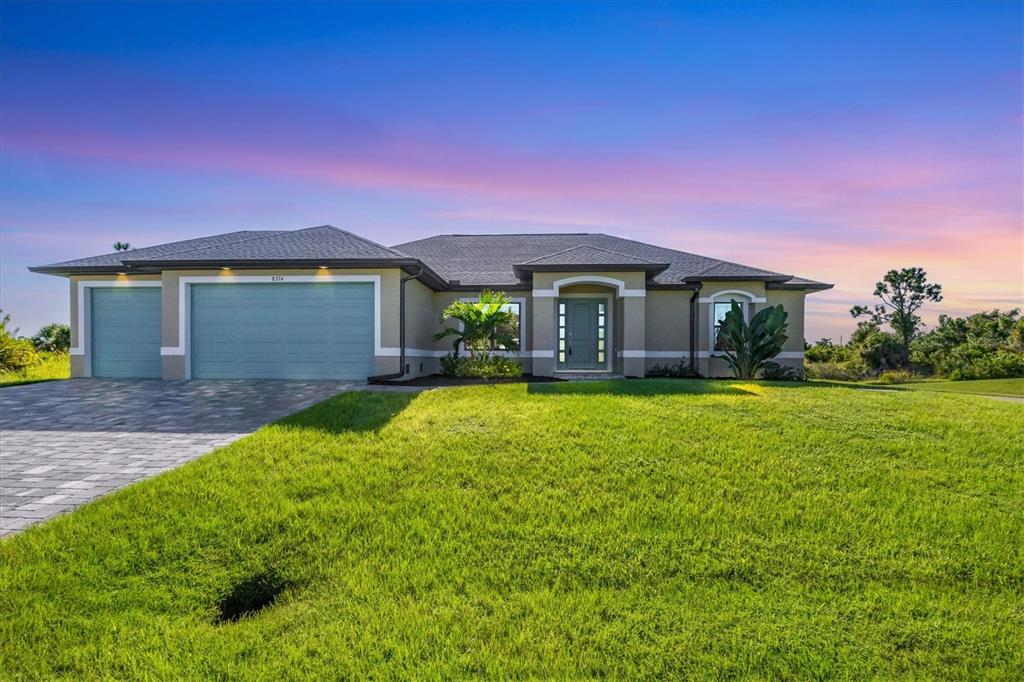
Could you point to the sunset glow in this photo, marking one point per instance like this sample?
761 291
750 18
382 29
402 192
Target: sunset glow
829 141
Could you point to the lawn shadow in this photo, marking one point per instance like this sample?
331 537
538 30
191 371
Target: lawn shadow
641 387
352 412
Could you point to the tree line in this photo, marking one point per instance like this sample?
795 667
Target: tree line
892 341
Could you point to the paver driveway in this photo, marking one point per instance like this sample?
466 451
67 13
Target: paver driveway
63 443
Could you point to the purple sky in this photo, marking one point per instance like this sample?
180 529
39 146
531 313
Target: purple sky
829 140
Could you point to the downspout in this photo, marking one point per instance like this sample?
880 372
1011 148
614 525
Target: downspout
401 330
693 327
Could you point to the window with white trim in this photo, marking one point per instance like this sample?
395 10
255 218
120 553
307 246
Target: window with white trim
516 308
720 310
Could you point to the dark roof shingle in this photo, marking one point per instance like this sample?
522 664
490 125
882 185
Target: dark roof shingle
490 259
117 259
323 242
470 259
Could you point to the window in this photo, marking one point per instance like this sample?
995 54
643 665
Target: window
721 308
514 329
516 308
561 333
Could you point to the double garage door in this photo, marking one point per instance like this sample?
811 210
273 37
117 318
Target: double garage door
242 331
282 331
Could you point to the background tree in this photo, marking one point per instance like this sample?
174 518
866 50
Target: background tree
15 353
751 346
54 337
122 246
902 292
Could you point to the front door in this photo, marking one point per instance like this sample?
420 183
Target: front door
582 323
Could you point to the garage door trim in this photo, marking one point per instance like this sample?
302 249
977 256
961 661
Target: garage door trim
185 304
84 321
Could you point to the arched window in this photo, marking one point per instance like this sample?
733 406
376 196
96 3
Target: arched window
721 303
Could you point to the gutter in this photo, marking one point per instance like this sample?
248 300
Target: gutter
401 331
693 327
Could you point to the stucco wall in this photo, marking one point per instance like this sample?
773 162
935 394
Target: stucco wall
657 324
668 327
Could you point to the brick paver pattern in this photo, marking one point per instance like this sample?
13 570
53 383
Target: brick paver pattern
63 443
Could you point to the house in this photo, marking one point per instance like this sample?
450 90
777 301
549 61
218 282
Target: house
321 303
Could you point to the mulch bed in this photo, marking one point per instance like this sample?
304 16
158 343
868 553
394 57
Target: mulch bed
439 380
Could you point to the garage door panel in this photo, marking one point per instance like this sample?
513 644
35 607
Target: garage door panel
125 332
287 330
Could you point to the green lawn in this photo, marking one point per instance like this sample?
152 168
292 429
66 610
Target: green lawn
1002 387
53 366
624 529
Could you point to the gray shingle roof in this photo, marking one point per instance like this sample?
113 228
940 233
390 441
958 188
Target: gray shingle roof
489 259
116 259
585 254
471 259
323 242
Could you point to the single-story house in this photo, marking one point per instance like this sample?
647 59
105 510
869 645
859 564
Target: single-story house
323 303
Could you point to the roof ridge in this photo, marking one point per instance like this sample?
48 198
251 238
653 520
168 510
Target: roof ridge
362 238
588 246
717 261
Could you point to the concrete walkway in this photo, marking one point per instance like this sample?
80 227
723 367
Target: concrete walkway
63 443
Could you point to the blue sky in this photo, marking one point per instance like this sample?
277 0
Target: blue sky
830 140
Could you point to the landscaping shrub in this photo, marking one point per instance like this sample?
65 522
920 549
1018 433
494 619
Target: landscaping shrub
773 371
450 365
482 366
53 337
749 346
680 370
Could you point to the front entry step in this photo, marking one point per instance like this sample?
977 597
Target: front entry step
588 376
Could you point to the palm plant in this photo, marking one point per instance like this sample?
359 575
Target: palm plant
122 246
487 323
750 346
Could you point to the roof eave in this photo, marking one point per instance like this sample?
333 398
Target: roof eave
797 286
738 278
69 270
525 269
254 263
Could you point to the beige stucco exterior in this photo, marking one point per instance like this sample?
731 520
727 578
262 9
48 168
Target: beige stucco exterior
648 326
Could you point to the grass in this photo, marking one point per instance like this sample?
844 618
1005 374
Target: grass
1000 387
53 366
654 528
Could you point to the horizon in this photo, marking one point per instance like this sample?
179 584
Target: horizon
833 142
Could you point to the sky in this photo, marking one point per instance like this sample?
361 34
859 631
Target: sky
828 140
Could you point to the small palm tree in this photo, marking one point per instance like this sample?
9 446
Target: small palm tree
749 346
486 324
122 246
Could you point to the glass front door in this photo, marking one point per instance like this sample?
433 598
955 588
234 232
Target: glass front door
582 333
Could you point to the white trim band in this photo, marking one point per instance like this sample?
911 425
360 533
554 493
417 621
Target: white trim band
751 297
701 354
589 279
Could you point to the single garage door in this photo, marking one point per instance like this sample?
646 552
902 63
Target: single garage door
125 328
282 331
